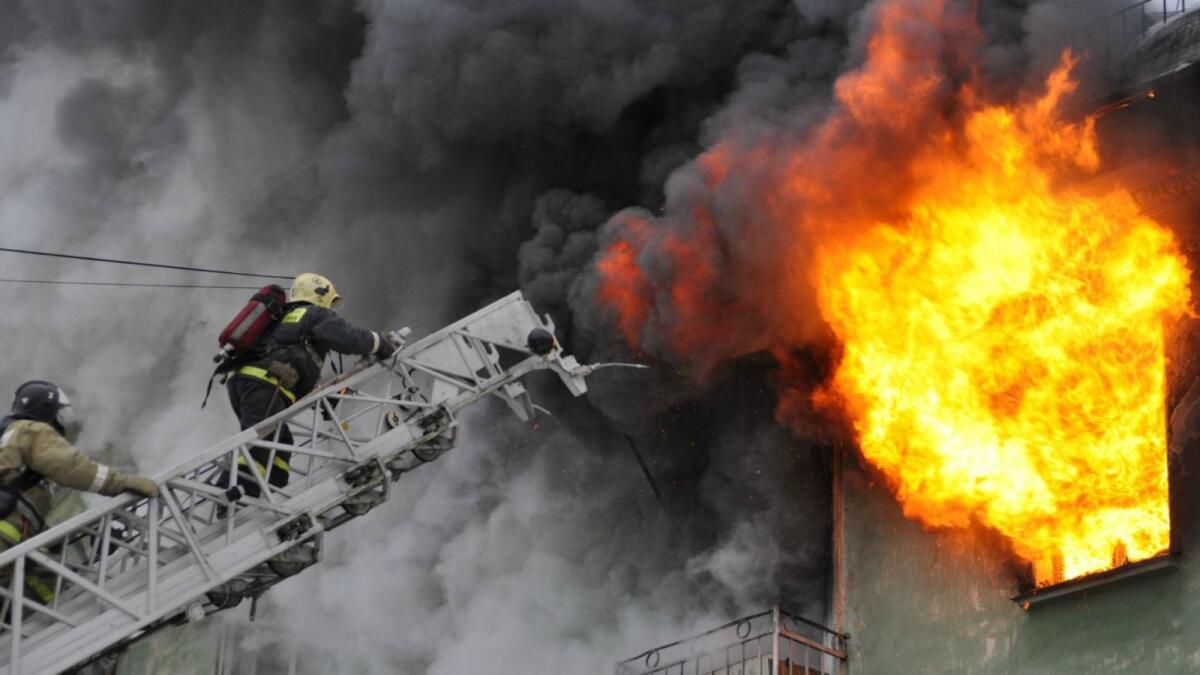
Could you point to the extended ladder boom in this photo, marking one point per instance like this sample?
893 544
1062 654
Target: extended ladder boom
128 565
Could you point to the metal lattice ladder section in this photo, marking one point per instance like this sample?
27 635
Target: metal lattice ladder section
130 565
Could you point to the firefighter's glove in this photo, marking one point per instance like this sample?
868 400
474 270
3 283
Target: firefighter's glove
387 345
140 484
285 373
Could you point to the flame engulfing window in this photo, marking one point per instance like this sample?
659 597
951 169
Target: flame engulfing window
1139 155
1001 312
1005 347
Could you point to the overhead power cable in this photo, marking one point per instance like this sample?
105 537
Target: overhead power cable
118 283
138 263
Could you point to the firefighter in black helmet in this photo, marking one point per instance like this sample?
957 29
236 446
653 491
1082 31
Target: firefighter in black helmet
34 457
287 366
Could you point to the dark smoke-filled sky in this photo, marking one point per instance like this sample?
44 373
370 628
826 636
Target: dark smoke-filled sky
430 156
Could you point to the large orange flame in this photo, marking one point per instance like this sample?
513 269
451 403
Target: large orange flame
1001 328
1004 344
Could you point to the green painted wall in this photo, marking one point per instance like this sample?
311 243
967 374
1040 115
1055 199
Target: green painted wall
939 602
190 649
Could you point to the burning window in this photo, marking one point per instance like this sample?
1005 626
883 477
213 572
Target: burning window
1138 155
1005 347
1000 320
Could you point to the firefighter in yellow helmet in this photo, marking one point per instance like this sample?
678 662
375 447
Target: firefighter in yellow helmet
35 457
286 365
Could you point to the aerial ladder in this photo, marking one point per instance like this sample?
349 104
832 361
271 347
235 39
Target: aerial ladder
131 565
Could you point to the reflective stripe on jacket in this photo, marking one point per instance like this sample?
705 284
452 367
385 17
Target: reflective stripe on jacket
278 463
10 532
29 444
261 374
305 335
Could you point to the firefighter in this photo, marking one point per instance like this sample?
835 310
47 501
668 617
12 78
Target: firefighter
286 365
34 457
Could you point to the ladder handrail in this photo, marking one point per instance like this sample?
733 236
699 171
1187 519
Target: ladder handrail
351 439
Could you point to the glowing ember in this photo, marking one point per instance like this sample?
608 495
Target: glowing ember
1004 349
1002 335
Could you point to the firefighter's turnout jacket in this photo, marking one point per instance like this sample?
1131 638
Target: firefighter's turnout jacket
302 339
32 446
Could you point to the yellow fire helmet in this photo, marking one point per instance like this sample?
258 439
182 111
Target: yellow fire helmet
314 288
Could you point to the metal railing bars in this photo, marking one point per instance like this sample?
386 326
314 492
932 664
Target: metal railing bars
769 642
1134 21
130 565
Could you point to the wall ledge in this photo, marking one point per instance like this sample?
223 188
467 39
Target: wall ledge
1156 565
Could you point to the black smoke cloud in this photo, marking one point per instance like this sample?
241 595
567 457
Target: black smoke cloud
429 156
739 237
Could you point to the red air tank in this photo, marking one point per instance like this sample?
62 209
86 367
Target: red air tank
264 309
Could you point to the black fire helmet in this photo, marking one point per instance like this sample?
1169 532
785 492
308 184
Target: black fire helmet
42 401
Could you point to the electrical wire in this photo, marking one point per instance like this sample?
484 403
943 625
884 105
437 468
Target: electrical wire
138 263
120 283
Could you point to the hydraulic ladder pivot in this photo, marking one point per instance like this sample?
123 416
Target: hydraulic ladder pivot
128 566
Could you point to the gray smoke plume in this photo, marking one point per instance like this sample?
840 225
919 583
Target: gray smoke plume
428 156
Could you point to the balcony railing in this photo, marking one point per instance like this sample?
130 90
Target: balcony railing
1110 37
752 645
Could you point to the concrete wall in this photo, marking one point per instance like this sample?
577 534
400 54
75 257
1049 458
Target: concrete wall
191 649
939 602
